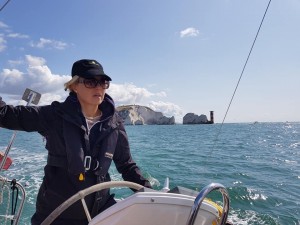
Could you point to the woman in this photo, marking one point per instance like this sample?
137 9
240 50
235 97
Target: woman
84 134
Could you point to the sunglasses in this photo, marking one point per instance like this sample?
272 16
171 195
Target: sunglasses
92 83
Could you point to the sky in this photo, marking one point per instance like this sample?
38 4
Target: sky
176 57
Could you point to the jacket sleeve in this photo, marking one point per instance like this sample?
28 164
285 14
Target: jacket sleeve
124 162
24 118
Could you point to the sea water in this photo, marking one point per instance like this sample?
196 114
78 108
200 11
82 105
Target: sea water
258 163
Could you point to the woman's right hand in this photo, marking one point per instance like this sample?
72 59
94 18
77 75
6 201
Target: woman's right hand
2 103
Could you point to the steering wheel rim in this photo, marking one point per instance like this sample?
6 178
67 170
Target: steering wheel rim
81 194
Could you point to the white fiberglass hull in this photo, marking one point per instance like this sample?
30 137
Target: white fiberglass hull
157 208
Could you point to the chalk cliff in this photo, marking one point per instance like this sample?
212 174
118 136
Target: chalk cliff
191 118
142 115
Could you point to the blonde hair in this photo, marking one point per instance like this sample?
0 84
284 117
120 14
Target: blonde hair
68 85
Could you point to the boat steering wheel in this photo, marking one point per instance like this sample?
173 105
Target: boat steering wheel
81 195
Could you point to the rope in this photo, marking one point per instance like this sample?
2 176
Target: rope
241 75
4 5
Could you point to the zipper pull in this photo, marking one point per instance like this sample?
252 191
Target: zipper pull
81 177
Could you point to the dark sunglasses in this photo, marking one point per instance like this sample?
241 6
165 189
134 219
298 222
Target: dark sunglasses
92 83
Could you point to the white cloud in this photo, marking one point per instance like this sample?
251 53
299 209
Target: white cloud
2 43
37 77
47 43
35 61
10 77
8 34
15 62
42 77
48 98
189 32
17 35
130 94
168 108
3 25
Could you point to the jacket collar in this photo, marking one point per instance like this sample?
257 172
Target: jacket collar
70 109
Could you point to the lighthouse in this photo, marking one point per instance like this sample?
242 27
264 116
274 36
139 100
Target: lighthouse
211 117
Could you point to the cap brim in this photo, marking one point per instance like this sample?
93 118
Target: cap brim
94 73
106 77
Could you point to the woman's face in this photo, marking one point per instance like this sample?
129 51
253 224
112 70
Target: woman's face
90 92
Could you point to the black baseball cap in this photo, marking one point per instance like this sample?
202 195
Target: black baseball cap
88 68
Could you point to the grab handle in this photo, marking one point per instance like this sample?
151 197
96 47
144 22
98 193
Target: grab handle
199 199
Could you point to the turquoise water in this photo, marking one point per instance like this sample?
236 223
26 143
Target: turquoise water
258 163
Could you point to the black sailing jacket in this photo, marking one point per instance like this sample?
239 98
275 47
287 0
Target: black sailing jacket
68 143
